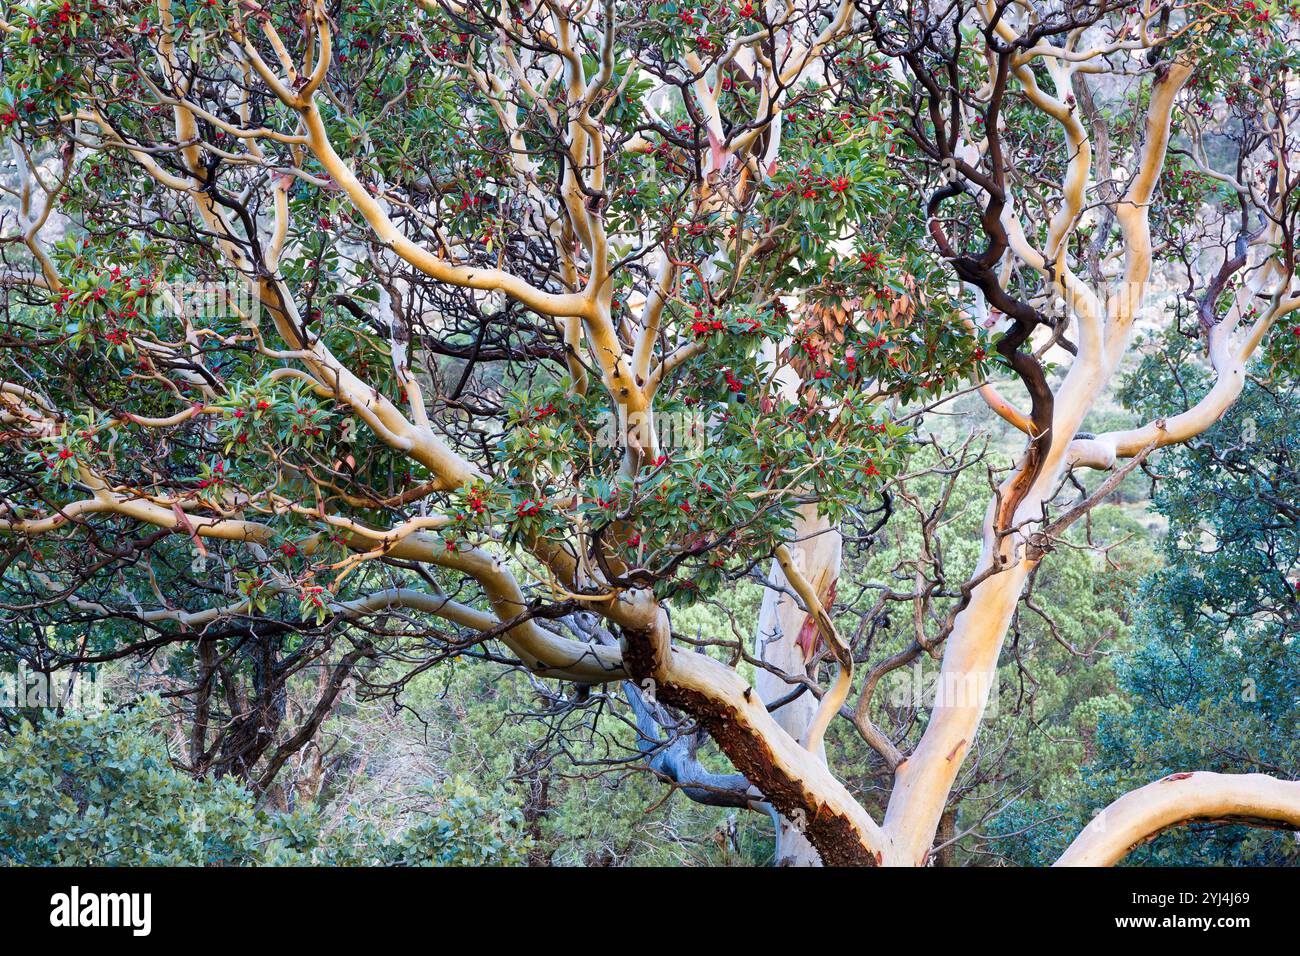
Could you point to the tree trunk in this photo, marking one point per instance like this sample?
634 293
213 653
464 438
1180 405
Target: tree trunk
783 640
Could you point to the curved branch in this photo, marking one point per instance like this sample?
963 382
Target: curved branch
1253 799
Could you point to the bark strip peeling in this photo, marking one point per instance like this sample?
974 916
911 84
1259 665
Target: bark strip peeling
839 840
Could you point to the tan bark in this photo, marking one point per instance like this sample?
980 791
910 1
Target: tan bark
1253 799
781 622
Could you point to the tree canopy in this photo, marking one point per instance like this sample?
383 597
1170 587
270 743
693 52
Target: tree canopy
348 341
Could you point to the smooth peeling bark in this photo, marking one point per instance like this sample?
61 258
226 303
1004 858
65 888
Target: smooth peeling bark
795 781
1252 799
968 674
789 777
923 782
783 632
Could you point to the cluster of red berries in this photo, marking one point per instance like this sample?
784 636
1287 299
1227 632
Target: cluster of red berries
308 428
806 185
218 476
702 326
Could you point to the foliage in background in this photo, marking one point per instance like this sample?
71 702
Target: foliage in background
102 790
1214 674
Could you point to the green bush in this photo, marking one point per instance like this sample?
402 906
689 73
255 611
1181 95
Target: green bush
102 790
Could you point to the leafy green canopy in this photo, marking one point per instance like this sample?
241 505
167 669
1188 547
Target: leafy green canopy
421 136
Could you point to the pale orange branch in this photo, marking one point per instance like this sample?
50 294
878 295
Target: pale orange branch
1253 799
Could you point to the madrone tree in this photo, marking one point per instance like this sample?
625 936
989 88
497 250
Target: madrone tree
352 338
